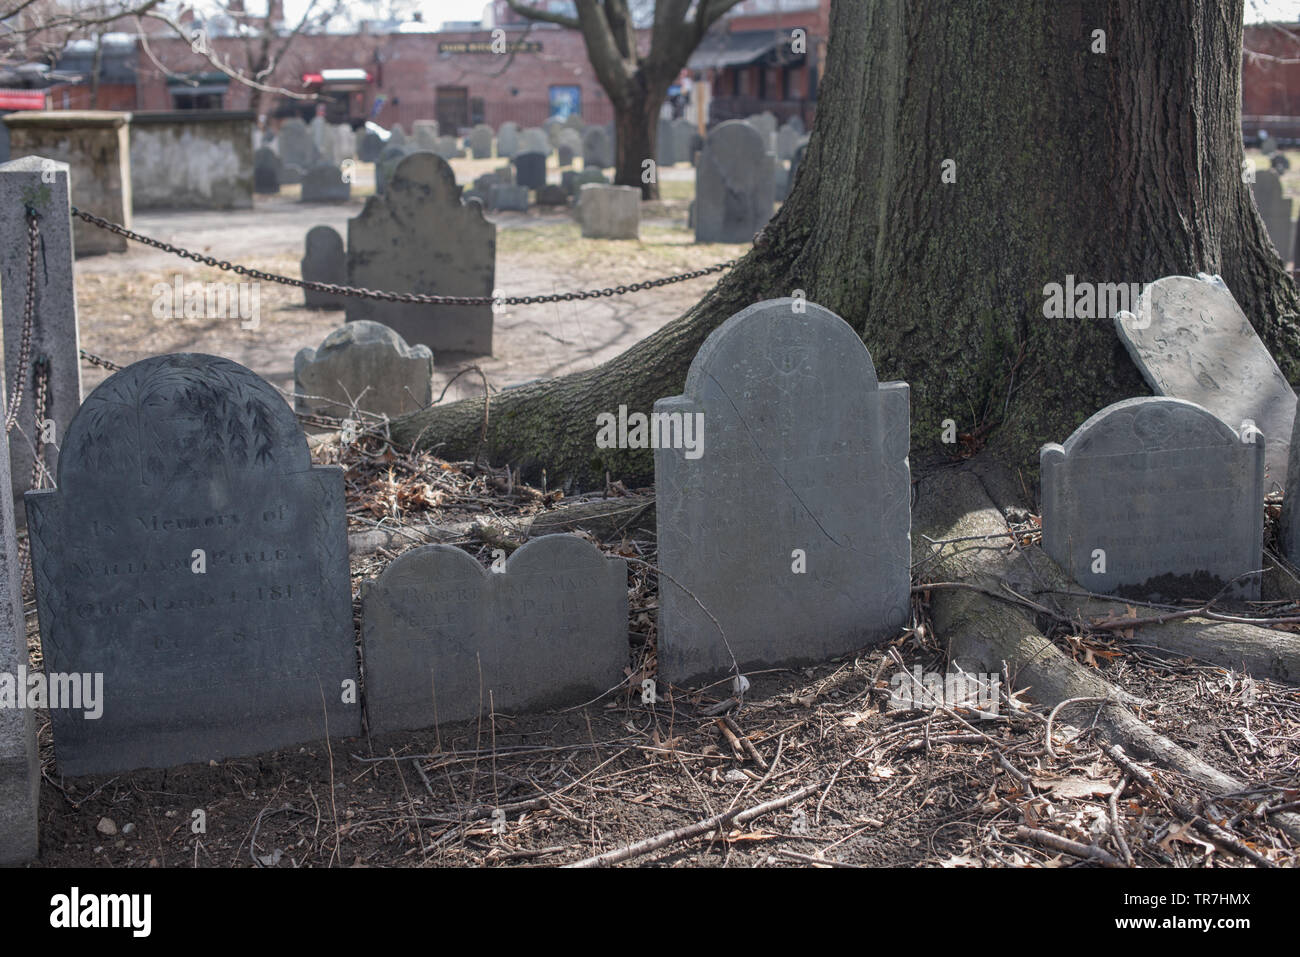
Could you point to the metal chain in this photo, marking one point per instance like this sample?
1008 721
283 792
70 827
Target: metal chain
29 315
42 398
100 361
405 297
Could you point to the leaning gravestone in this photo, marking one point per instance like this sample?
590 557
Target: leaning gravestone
596 150
325 184
194 557
445 639
266 172
366 363
1156 499
325 261
20 765
419 237
734 185
1191 341
530 169
794 538
296 145
1275 210
609 212
508 140
480 141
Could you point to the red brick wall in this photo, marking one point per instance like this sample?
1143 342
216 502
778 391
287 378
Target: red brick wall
1270 87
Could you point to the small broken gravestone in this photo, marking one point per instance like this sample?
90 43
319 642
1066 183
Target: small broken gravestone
1275 209
609 212
446 639
782 496
1191 341
530 169
324 261
735 185
419 237
1156 499
194 558
324 183
366 364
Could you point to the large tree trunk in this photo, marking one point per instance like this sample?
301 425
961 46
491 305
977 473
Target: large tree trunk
1121 166
636 134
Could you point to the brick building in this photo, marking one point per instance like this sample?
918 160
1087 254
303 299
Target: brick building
1270 81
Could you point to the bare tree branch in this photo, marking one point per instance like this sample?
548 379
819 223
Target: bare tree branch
532 13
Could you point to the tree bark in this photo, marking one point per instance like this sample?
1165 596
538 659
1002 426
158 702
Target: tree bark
1114 167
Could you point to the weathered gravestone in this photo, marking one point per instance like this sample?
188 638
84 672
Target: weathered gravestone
597 153
324 261
508 140
420 237
787 141
397 135
552 195
325 184
194 557
266 171
1275 210
685 136
575 122
322 139
1191 341
366 363
665 148
506 196
1156 499
534 140
1280 163
568 145
369 147
20 766
530 169
785 508
444 638
552 126
734 185
609 212
480 141
296 145
765 123
291 174
425 135
571 181
448 148
386 164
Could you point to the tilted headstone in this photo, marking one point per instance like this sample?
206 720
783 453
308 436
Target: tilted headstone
480 141
325 184
445 638
508 140
1191 341
194 557
502 196
734 185
1275 210
42 184
597 151
369 147
266 171
419 237
365 363
425 135
325 261
534 140
20 766
530 169
785 509
1156 499
296 145
609 212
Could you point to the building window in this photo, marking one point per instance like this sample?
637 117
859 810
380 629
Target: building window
565 101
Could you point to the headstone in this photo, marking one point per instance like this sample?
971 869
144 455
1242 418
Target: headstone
564 155
419 237
365 363
324 143
1275 210
195 558
571 181
397 135
552 126
325 184
597 153
765 123
425 135
787 141
1191 341
794 539
575 122
530 169
552 195
504 197
43 184
325 261
796 123
291 174
508 140
369 147
387 162
480 141
20 765
1267 145
448 148
685 138
296 145
1280 163
534 140
609 212
1156 499
734 185
445 638
344 142
569 146
665 149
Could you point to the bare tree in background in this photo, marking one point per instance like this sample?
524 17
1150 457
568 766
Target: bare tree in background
636 83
